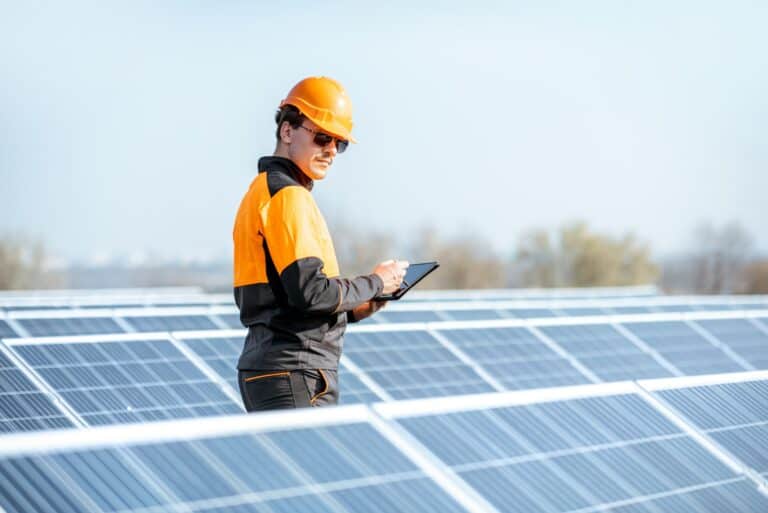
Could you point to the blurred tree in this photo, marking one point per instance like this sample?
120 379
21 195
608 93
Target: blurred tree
577 257
755 278
22 264
359 251
465 263
718 257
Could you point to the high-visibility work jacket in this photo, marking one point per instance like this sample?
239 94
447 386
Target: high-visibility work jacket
287 283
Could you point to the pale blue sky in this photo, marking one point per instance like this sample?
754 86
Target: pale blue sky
137 125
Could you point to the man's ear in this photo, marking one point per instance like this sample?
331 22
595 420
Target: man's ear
286 132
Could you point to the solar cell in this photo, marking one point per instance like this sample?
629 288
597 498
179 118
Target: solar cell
735 415
170 322
529 313
55 326
743 337
6 331
126 381
515 357
472 315
411 364
408 316
606 352
683 347
23 406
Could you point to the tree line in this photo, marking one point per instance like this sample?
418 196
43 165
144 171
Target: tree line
717 260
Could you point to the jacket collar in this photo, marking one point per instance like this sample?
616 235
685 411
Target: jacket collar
285 166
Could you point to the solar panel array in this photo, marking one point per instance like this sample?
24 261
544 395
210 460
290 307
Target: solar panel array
470 403
570 449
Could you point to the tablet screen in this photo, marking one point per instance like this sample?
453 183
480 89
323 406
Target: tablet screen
413 275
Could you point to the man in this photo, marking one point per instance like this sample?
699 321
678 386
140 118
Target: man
287 283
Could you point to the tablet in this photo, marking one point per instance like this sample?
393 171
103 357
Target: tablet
413 275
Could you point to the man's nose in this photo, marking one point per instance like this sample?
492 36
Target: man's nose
331 148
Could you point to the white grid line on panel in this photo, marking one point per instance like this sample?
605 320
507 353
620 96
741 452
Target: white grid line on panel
725 348
468 360
643 346
208 371
43 385
364 378
676 417
435 469
573 360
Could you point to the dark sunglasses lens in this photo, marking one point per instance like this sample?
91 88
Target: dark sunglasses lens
322 139
341 145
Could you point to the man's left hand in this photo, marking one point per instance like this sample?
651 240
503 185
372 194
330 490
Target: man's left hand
367 309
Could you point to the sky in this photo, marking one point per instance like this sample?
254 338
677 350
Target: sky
136 126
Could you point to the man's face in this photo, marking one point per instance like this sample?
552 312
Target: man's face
314 160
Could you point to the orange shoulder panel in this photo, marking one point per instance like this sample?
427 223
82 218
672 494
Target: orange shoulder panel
295 229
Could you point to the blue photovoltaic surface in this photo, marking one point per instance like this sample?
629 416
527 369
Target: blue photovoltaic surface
171 323
231 320
515 357
683 347
51 327
622 310
743 337
581 455
23 406
6 331
472 315
407 316
735 415
221 354
411 364
127 381
337 469
577 312
606 352
529 313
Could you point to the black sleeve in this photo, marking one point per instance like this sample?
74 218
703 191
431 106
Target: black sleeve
310 290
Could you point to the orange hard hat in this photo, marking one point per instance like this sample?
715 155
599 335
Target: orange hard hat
325 102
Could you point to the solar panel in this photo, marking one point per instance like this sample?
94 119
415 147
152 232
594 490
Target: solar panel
529 313
741 336
735 415
515 357
220 353
231 320
472 315
23 406
574 311
150 323
6 331
125 380
347 466
606 352
56 326
683 347
408 316
611 452
411 364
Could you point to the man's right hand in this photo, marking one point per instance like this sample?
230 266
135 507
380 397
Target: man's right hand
391 273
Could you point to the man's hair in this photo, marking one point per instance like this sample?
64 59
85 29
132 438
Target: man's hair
288 113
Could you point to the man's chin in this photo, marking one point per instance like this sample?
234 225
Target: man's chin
317 173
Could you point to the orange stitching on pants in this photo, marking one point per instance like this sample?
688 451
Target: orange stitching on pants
270 375
324 391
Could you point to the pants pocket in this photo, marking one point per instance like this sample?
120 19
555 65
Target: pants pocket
266 390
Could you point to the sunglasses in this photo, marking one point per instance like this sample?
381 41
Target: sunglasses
322 139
